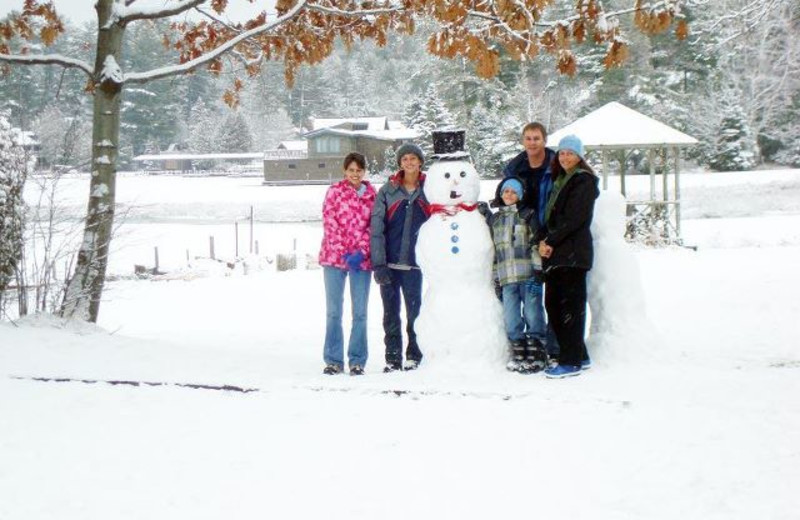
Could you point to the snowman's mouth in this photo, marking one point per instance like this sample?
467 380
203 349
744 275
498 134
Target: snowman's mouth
455 195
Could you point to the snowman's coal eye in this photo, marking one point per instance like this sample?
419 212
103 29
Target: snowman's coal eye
463 174
447 175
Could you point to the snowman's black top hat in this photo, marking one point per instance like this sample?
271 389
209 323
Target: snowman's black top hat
448 145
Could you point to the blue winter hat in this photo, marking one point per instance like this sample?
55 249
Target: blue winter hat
514 184
407 148
572 143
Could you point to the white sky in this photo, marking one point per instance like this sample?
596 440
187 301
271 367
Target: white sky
80 11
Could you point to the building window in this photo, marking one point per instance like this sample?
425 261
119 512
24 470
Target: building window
328 144
321 165
292 166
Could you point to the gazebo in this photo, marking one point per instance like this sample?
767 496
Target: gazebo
615 127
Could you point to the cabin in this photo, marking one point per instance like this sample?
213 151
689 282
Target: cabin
327 144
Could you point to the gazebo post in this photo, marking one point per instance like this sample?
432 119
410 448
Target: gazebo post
665 175
605 169
677 153
651 160
622 174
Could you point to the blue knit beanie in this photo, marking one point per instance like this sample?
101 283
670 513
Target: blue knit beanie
407 148
514 184
573 143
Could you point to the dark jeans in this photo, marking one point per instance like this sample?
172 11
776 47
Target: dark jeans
410 283
565 300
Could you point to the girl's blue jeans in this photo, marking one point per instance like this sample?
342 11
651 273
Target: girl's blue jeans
333 351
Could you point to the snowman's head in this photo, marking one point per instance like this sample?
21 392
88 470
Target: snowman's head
452 182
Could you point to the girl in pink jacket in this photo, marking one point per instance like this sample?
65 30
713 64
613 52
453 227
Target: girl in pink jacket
345 252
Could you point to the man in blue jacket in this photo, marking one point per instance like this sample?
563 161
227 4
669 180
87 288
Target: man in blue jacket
533 166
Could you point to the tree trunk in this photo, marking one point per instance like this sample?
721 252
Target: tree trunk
85 287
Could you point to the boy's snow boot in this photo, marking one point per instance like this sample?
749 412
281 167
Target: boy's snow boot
411 364
535 356
392 367
517 356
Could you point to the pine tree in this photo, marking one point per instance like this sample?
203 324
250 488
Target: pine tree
491 138
233 135
735 148
264 112
389 163
426 114
201 128
151 113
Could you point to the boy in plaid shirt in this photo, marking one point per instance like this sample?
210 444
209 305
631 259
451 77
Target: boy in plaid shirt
517 267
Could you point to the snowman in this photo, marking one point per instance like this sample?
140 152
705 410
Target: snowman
461 320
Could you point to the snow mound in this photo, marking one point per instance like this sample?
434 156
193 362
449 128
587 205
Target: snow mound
620 327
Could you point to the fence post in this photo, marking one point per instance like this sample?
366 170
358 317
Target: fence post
156 266
251 230
256 247
211 247
236 227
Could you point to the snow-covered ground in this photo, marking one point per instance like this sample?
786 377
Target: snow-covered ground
699 419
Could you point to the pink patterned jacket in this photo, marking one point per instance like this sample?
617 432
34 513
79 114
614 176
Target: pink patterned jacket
345 221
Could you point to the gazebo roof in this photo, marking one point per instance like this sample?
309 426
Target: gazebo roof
615 126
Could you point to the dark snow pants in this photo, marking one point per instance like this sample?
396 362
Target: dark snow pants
565 301
410 284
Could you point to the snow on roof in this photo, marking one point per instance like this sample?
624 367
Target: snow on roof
293 145
395 134
197 156
373 123
616 126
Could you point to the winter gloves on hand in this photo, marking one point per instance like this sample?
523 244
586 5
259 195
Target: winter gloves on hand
382 274
353 260
498 290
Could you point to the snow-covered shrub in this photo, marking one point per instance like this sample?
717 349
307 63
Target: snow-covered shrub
66 139
389 163
14 166
790 155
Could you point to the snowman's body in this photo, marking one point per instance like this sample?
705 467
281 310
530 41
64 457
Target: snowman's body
461 319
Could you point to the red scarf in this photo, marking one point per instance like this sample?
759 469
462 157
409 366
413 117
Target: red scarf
451 210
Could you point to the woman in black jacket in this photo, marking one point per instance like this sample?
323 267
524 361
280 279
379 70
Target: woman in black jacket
565 245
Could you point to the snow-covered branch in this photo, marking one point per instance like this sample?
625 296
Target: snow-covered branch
649 6
398 8
751 14
174 70
124 13
48 59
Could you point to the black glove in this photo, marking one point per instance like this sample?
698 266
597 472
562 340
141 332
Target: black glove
498 290
382 275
